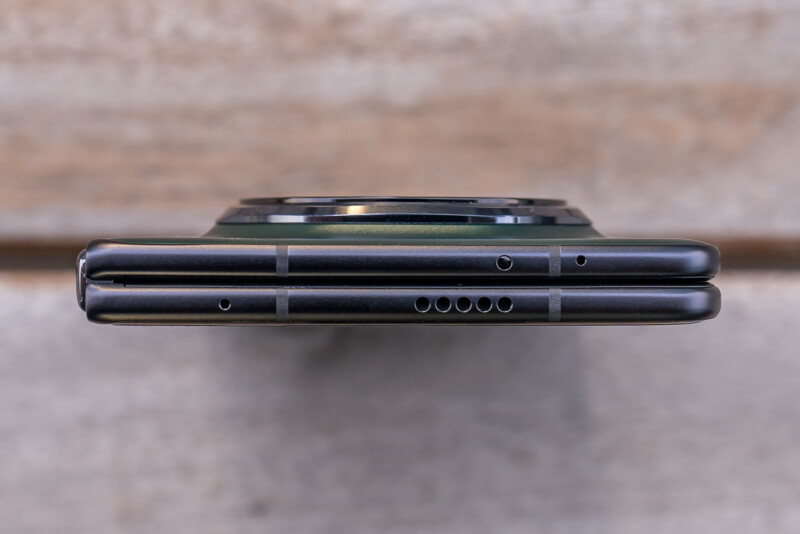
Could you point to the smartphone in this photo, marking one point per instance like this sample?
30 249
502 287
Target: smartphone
380 259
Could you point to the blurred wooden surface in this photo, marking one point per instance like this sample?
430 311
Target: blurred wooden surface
392 429
662 118
151 116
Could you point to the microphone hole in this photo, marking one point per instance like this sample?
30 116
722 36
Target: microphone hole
463 304
422 305
504 304
504 263
443 304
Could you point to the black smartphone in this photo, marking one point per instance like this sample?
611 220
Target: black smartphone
398 259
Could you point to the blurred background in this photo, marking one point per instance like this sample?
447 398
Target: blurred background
148 118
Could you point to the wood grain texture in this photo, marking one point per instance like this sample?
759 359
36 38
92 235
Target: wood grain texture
138 117
378 429
149 117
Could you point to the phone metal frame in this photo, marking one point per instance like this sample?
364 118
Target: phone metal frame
362 258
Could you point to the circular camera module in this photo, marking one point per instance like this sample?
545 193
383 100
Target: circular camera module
411 210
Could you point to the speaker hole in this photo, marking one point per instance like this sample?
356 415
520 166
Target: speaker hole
224 305
443 304
463 304
484 304
580 260
504 263
504 304
422 305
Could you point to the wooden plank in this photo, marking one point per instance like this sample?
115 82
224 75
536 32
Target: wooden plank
319 429
149 117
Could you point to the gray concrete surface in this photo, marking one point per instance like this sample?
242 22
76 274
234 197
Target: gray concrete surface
386 429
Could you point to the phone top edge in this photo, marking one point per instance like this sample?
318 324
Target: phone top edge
115 304
201 258
444 241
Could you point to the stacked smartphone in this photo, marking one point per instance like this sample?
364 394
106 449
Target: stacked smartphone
398 260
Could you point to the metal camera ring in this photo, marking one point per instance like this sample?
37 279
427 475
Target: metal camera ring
445 210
